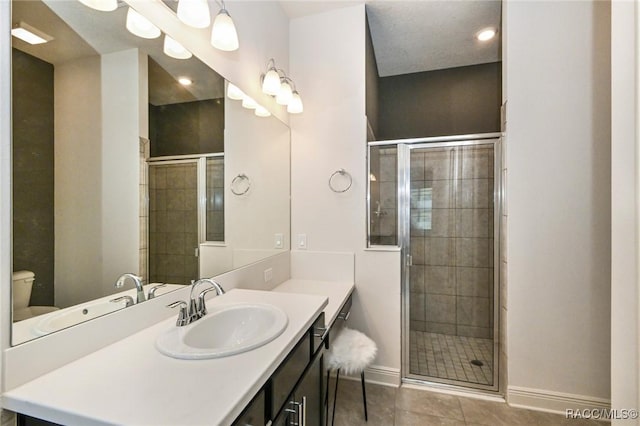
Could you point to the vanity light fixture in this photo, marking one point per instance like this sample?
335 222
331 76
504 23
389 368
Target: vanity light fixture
194 13
271 81
295 106
223 34
29 34
262 111
233 92
285 94
185 81
275 82
486 34
174 49
141 26
101 5
249 103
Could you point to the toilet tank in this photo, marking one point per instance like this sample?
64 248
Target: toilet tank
22 282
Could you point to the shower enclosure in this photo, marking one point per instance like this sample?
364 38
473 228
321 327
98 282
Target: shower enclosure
438 200
186 208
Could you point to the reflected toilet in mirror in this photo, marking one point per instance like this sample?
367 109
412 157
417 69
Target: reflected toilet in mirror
22 284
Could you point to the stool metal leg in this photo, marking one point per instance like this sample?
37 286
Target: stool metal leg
335 398
326 400
364 398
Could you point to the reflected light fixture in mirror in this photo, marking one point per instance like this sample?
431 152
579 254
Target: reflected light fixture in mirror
233 92
102 5
29 34
141 26
194 13
486 34
174 49
223 34
249 103
262 111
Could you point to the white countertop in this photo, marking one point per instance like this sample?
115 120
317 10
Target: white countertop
336 291
130 382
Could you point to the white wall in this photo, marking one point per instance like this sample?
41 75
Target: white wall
263 32
625 387
124 120
558 158
78 192
328 63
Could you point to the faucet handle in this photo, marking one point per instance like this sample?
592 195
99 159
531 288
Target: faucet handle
183 316
129 300
152 290
202 306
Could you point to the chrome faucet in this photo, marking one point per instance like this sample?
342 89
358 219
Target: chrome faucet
138 283
198 307
152 290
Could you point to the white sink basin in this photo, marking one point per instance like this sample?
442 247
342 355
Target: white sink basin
229 330
67 317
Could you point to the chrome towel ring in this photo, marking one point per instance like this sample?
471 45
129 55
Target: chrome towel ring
344 173
236 182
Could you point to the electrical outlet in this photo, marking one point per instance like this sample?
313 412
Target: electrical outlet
302 241
268 275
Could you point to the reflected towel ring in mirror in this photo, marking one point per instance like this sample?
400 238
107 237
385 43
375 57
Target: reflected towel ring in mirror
237 186
344 173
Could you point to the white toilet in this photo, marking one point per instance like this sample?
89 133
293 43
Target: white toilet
22 284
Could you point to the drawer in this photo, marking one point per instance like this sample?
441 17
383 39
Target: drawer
339 323
254 414
287 375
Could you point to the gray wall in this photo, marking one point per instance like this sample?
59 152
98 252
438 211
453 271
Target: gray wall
33 233
187 128
453 101
372 100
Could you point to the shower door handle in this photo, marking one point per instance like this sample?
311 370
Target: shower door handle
409 260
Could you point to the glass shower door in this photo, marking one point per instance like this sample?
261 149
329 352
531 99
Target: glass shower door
449 210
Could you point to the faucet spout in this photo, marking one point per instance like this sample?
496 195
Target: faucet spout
138 283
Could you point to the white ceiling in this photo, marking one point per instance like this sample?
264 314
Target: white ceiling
421 35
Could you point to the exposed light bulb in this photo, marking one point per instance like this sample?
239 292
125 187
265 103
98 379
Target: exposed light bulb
262 111
223 34
141 26
249 103
295 106
101 5
185 81
233 92
285 94
194 13
486 34
174 49
271 82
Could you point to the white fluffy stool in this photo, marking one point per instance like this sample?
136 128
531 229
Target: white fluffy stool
351 352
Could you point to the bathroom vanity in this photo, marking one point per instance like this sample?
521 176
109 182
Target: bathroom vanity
281 382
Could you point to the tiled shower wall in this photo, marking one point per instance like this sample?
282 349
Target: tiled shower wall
452 241
173 223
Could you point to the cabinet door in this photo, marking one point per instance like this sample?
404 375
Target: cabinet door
253 415
310 393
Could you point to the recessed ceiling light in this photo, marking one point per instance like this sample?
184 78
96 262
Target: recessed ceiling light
486 34
185 81
31 35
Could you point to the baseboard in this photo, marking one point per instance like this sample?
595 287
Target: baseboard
553 402
378 375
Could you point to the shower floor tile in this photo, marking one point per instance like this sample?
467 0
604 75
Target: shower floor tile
449 357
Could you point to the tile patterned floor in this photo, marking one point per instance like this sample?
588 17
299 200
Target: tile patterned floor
390 406
449 357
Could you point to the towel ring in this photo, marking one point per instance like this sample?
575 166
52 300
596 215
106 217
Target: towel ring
241 177
341 172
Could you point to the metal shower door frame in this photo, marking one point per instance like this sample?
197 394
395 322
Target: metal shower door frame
404 240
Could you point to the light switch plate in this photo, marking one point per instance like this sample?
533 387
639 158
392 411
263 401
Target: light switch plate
279 241
302 241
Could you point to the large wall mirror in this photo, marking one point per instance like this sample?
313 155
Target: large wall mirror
128 160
